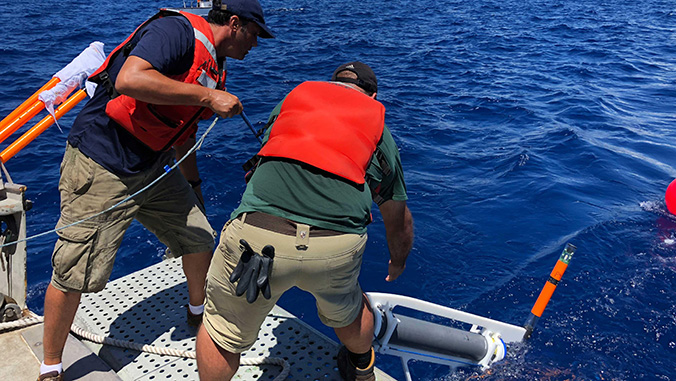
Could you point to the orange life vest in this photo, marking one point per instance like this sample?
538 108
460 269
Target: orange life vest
328 126
162 126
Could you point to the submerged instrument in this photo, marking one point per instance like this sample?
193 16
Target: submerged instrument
549 287
481 345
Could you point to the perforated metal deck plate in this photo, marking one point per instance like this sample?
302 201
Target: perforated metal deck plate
149 307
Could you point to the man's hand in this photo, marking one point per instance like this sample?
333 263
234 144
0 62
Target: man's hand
224 104
393 271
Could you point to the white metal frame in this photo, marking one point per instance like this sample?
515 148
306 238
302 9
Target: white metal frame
497 333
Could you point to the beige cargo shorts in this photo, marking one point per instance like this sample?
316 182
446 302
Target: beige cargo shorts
84 254
326 267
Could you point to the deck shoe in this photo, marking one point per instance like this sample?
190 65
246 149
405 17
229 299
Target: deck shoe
194 320
51 376
349 372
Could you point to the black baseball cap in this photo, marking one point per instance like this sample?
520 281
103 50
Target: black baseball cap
366 78
247 9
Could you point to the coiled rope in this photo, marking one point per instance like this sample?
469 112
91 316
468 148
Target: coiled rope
35 319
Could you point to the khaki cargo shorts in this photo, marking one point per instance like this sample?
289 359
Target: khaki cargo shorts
84 254
328 269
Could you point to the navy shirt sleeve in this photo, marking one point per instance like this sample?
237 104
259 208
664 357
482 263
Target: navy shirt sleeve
168 44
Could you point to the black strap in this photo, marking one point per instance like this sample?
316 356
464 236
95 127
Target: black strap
161 117
184 128
368 87
104 79
195 183
270 122
251 163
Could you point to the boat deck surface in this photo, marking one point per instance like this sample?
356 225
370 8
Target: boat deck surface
148 307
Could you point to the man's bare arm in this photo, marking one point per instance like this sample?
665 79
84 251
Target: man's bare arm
399 230
139 79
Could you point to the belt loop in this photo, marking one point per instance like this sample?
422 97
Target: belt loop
302 236
243 218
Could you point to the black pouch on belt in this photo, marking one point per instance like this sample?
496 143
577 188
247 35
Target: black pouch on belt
253 271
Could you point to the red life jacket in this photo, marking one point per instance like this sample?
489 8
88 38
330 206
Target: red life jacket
328 126
162 126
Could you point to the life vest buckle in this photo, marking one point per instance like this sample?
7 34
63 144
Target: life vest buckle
105 80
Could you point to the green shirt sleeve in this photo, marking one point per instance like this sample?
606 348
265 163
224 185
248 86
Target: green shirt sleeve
385 174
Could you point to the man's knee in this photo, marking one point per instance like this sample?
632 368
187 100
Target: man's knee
213 361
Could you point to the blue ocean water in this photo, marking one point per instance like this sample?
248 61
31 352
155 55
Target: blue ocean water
522 125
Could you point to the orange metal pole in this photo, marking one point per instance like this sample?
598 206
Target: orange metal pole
27 115
41 126
548 289
28 102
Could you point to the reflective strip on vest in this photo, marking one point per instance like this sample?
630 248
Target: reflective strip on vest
206 81
207 44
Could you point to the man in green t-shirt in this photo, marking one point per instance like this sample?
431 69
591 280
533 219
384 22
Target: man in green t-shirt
326 157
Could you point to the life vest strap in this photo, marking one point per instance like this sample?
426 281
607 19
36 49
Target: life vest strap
192 121
108 84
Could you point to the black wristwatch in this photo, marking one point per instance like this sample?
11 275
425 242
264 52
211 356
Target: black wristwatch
195 183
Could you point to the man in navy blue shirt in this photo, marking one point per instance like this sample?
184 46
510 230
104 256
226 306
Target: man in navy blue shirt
152 91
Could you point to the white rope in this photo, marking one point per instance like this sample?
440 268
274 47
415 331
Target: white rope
176 352
21 323
286 368
130 344
25 322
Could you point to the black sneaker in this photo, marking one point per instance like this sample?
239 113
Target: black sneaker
51 376
194 320
350 372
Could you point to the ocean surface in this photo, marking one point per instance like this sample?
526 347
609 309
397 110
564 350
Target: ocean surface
522 125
